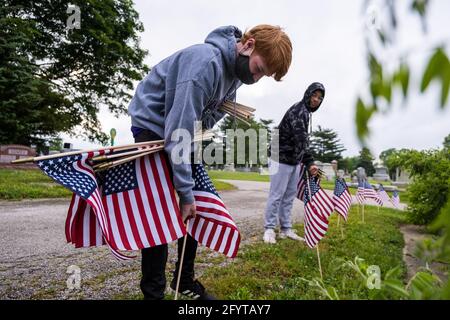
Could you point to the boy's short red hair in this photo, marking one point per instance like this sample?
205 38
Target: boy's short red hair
274 45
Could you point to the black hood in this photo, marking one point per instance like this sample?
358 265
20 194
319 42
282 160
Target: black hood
308 93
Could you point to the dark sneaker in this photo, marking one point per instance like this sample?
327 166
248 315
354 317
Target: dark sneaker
195 290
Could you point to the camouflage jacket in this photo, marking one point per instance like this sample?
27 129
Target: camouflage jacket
293 131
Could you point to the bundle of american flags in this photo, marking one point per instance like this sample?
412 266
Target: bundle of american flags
129 203
237 110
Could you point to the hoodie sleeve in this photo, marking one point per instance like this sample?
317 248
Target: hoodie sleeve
211 117
188 101
308 159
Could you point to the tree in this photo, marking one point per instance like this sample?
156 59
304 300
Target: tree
366 161
447 142
384 156
348 164
53 79
381 84
384 80
229 123
325 145
430 189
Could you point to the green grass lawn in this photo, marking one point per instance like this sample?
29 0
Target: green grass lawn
247 176
29 184
34 184
254 176
263 271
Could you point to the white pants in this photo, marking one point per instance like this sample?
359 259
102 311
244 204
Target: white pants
283 189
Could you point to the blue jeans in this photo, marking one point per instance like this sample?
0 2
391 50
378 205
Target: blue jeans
283 189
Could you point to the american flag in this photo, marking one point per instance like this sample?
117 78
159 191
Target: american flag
360 193
134 206
213 225
301 183
318 209
370 193
396 199
342 198
383 194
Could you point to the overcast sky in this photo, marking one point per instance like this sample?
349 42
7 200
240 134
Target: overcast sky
328 41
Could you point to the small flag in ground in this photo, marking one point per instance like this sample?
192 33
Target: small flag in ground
383 194
370 193
342 198
396 199
213 225
360 193
318 209
301 183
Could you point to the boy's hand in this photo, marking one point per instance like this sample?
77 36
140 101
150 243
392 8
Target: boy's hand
188 211
313 170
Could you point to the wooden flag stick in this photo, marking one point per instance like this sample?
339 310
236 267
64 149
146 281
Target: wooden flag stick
363 212
340 226
318 259
70 153
203 136
240 106
180 263
118 155
238 109
109 165
237 112
238 118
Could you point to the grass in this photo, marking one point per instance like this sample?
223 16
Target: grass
254 176
29 184
247 176
34 184
264 271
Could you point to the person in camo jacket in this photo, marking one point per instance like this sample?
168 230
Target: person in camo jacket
293 150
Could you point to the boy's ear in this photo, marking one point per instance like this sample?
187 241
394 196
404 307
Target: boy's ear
249 46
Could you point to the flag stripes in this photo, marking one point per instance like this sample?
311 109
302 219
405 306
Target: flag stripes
135 219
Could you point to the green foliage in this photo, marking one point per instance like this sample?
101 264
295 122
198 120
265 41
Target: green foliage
424 285
230 123
325 145
429 191
246 176
53 79
366 161
348 164
29 184
447 142
383 82
384 156
438 69
279 271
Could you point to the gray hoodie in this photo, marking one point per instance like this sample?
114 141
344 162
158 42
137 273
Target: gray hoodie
188 86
